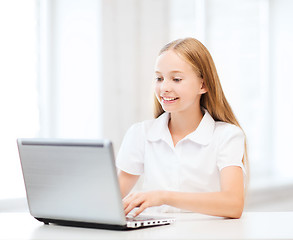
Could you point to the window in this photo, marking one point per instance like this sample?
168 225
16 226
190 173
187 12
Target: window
80 69
250 42
18 88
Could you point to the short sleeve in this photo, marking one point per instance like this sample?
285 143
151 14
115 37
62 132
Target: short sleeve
231 148
131 153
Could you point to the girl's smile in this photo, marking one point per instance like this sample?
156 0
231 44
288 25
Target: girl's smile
168 100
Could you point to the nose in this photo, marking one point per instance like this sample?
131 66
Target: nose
166 86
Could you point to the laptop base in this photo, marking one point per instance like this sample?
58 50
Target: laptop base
47 221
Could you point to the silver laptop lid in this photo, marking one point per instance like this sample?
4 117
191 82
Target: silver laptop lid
71 180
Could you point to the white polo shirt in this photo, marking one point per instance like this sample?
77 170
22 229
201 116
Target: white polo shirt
193 165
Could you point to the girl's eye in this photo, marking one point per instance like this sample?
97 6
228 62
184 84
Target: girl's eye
159 79
177 79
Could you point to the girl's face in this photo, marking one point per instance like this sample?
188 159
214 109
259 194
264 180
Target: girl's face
177 87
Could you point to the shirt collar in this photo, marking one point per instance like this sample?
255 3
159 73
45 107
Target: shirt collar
159 129
205 130
202 135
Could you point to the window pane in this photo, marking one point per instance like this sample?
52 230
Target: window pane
236 39
18 90
237 36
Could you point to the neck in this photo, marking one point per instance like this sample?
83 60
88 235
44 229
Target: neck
183 123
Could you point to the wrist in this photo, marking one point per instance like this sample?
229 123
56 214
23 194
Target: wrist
164 197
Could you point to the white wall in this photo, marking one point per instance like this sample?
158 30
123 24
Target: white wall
133 32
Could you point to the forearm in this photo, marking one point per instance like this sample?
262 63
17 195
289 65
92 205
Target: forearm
224 204
126 182
229 202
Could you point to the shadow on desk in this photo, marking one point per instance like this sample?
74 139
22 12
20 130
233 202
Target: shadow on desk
67 232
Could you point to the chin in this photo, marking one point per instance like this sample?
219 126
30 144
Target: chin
169 110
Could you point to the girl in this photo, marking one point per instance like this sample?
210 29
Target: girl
193 153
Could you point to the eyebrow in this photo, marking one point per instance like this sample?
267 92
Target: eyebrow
176 71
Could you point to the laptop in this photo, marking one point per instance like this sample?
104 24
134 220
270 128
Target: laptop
74 183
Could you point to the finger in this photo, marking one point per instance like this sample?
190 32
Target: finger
127 200
125 204
130 207
141 209
133 204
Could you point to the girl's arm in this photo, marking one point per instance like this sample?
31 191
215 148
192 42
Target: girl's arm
126 182
229 202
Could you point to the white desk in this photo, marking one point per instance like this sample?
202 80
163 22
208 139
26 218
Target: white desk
252 225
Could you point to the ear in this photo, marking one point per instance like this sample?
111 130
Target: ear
203 88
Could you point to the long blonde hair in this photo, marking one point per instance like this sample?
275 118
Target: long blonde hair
214 100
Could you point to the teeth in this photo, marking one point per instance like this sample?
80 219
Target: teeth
168 99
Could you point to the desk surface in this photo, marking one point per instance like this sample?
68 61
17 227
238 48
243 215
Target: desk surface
252 225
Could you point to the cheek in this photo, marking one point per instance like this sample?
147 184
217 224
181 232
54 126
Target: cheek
157 90
189 92
195 87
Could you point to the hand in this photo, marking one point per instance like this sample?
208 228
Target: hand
143 200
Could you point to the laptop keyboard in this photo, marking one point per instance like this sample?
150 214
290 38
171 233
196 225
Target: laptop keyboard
139 218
